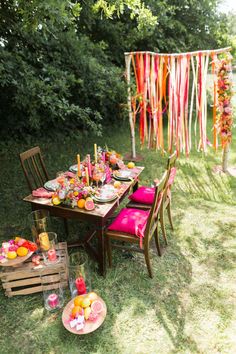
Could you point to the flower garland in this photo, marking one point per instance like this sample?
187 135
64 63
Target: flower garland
225 92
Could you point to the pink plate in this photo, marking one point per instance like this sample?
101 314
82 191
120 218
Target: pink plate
17 261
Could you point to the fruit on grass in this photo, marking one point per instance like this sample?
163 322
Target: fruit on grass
81 203
131 165
22 251
117 184
85 302
89 204
92 296
87 312
76 311
11 255
78 300
97 306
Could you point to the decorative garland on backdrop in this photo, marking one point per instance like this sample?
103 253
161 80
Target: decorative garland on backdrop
163 89
224 121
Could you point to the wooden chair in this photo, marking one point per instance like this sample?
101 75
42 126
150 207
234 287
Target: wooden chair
34 168
167 196
35 172
151 229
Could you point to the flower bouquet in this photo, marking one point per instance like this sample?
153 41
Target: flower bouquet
74 192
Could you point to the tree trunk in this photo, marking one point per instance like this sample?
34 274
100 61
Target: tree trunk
225 158
131 122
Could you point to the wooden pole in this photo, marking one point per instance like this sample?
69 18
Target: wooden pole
225 158
204 52
131 122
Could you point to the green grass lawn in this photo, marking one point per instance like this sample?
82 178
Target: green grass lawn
189 305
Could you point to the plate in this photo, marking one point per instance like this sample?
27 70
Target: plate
52 185
90 326
104 200
74 168
17 261
122 175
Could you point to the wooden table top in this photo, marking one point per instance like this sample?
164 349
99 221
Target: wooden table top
101 209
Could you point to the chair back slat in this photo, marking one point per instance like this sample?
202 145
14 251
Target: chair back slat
37 169
156 206
33 167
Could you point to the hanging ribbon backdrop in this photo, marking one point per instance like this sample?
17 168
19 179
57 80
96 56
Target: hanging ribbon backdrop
164 90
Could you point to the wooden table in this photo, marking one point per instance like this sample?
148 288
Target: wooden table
98 217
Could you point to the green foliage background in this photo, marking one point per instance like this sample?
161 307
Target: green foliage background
62 62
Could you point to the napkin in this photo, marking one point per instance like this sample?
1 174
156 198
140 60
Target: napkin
42 193
69 174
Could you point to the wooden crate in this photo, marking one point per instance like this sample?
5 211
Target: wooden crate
24 279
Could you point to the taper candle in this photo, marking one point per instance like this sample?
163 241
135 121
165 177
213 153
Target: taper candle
95 153
87 176
89 166
78 162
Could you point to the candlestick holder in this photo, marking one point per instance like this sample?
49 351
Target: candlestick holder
53 298
49 247
79 277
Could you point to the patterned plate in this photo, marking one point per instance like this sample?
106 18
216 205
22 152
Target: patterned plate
52 185
74 168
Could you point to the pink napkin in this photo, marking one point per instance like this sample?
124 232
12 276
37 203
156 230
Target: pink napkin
42 193
69 174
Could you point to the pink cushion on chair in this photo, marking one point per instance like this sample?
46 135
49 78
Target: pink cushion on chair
130 221
144 195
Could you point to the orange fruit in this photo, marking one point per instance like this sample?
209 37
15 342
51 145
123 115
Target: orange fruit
78 300
85 302
92 296
11 255
22 251
77 310
81 203
17 239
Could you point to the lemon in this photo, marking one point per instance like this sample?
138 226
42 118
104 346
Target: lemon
11 255
117 184
87 312
131 165
85 302
56 201
92 296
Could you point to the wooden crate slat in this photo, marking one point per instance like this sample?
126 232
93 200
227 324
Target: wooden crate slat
14 279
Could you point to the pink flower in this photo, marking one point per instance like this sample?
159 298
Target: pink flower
228 110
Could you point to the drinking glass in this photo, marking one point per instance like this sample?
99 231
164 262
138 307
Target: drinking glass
79 278
49 247
39 221
96 175
53 294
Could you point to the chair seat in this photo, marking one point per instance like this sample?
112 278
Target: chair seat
130 222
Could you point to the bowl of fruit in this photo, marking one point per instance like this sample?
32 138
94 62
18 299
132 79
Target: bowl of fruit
16 251
84 313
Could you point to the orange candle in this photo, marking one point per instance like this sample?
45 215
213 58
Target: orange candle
78 161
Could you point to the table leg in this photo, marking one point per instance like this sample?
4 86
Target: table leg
101 250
